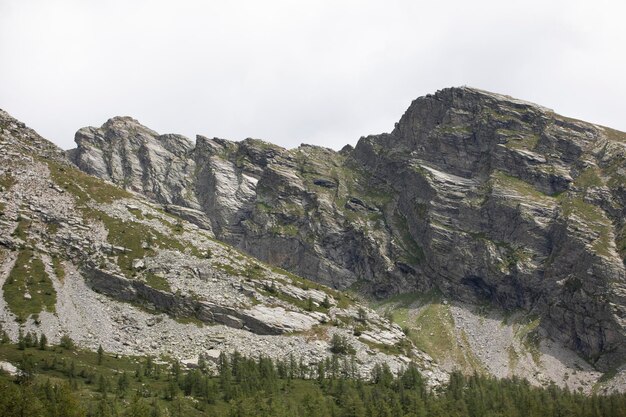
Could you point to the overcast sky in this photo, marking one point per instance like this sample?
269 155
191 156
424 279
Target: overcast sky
321 72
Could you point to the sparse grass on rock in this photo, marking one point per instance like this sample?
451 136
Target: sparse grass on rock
28 289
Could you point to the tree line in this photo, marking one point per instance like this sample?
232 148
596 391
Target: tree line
53 382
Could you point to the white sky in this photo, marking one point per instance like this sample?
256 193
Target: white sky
322 72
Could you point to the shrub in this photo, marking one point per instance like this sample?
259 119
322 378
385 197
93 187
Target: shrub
67 342
339 345
362 314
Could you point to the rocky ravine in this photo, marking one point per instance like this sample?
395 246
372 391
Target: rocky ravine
82 257
483 197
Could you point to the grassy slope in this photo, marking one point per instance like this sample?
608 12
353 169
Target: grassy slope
28 288
428 322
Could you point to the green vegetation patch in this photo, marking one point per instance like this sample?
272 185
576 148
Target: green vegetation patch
528 335
401 348
513 357
253 270
59 269
157 282
516 140
616 172
522 188
590 177
414 252
7 181
84 187
432 331
615 135
28 289
264 207
593 217
453 129
306 305
402 300
134 236
52 228
290 230
621 243
499 115
429 324
137 213
21 231
228 268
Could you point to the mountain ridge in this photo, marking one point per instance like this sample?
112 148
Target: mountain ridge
462 151
506 218
84 259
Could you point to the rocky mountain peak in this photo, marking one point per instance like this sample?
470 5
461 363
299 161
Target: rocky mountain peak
505 218
479 196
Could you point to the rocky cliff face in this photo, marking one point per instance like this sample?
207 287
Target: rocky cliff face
515 205
82 257
481 196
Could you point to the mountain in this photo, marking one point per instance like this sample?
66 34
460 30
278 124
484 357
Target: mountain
489 228
83 258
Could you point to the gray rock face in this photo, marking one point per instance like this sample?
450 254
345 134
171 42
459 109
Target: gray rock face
259 319
124 152
478 195
500 196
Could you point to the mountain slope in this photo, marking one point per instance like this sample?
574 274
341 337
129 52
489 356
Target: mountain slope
480 196
84 258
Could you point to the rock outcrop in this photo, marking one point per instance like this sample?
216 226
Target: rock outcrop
481 196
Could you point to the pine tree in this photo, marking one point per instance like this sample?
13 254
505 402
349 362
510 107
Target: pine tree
176 370
66 342
362 315
148 371
100 354
321 372
4 337
156 411
202 364
226 377
103 384
43 342
21 343
340 346
72 371
171 391
123 383
27 370
28 340
326 302
138 408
